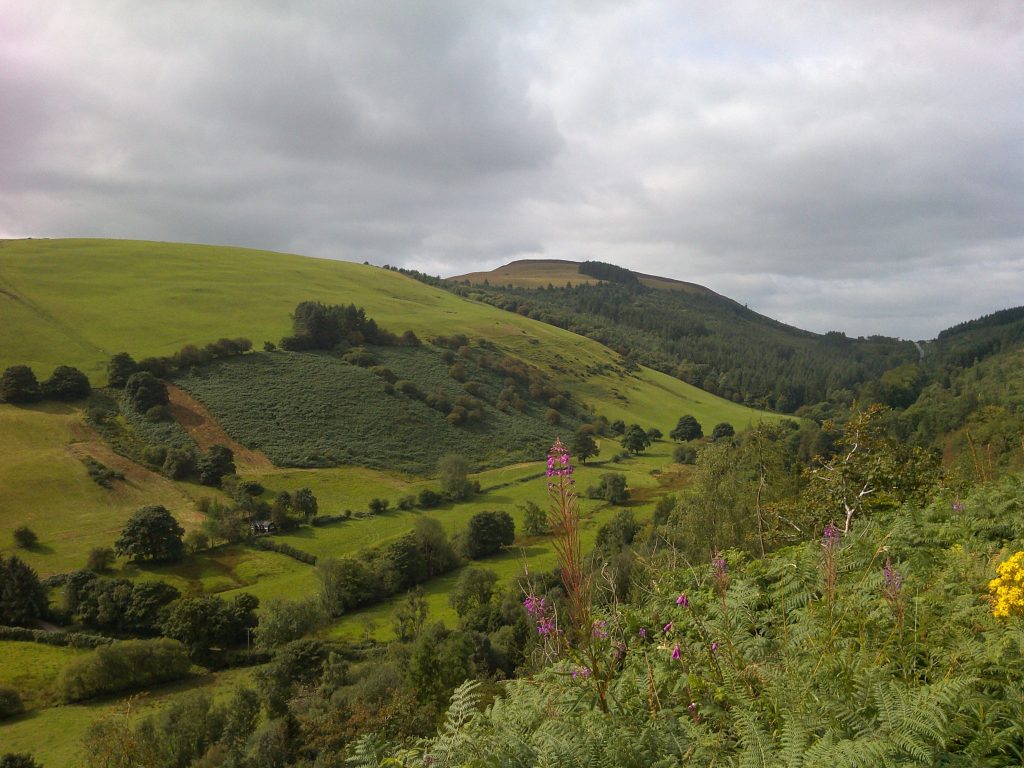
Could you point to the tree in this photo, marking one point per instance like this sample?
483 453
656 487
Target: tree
535 520
453 471
283 621
471 598
618 533
438 553
583 446
67 383
218 461
635 439
488 532
304 502
143 391
724 429
22 597
410 616
120 369
345 584
25 537
206 622
18 384
684 454
151 533
654 434
611 488
100 559
687 428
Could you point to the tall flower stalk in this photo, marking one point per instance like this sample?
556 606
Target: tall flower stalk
564 518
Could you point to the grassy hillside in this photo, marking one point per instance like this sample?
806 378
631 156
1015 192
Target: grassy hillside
539 273
46 486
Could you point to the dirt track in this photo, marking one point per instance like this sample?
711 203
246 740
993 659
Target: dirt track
204 429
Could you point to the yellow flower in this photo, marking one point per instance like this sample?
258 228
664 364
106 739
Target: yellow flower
1007 590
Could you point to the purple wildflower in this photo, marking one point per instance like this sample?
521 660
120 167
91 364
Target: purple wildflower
559 461
830 536
683 601
583 672
714 647
958 506
546 627
667 628
643 633
692 707
600 629
676 654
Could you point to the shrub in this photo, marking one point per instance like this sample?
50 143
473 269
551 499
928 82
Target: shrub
684 454
611 488
488 532
144 391
724 429
123 666
100 559
428 498
67 383
407 503
100 473
10 702
378 506
25 537
285 620
18 384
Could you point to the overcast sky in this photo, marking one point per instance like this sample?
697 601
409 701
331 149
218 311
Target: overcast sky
856 165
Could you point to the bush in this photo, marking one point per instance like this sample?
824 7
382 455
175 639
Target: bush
67 383
25 537
100 559
378 506
684 454
10 703
285 620
123 666
428 498
488 532
407 503
611 488
281 548
18 384
62 639
144 391
100 473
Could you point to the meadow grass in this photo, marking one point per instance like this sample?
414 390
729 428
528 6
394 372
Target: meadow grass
32 668
54 736
46 487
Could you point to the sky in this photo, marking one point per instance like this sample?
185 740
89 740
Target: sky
853 166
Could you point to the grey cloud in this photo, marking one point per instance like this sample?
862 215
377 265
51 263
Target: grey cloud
846 165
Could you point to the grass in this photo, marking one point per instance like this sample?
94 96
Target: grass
54 736
32 668
46 487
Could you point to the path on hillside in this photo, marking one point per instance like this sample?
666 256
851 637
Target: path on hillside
206 431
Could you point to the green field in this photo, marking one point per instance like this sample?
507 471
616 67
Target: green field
32 668
45 486
54 735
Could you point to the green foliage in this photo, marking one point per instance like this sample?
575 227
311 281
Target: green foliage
151 533
535 520
687 428
761 667
611 487
100 559
25 537
304 503
213 465
635 439
684 454
722 430
143 391
18 760
22 597
116 605
582 446
487 533
453 475
123 666
618 533
209 622
283 621
66 383
10 702
314 410
100 473
18 384
121 368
